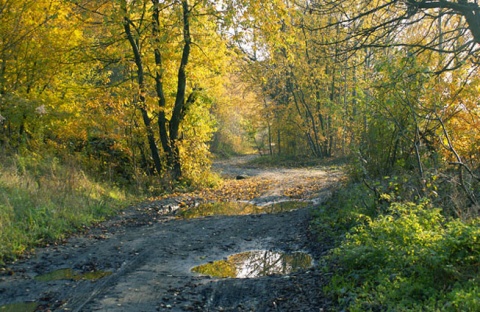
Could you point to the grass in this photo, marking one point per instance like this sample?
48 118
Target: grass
43 201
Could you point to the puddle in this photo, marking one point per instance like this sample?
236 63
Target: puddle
62 274
95 275
255 264
19 307
238 209
69 274
285 206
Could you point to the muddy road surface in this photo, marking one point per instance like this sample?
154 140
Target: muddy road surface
142 260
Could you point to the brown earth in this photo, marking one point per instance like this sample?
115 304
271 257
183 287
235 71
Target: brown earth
147 252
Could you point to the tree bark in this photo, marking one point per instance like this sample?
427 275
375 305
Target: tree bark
169 135
142 103
469 10
141 85
162 118
180 105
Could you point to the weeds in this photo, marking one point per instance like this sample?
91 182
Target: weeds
42 201
399 256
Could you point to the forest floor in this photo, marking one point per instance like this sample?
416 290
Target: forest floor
141 260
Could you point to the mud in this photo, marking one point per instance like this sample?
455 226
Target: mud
146 255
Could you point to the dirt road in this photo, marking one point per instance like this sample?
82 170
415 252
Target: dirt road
142 259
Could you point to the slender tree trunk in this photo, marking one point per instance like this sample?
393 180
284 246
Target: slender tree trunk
269 127
3 67
309 119
328 133
279 142
162 102
179 108
141 85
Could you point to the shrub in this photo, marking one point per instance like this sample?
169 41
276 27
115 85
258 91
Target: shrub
410 258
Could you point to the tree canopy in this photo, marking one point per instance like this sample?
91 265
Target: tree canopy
134 89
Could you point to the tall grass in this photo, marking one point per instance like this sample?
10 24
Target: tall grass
42 201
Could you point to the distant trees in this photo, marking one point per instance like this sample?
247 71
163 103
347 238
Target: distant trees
422 66
306 81
388 81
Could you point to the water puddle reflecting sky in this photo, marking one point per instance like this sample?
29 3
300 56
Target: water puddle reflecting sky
238 208
256 264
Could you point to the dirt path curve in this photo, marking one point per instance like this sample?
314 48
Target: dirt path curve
148 255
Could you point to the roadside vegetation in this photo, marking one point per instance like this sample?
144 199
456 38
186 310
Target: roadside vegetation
398 255
42 201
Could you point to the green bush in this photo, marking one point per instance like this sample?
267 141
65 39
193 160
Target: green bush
411 258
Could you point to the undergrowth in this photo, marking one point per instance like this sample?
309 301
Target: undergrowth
399 256
42 201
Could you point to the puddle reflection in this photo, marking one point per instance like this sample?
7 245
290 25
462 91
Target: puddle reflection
70 274
285 206
19 307
237 209
255 264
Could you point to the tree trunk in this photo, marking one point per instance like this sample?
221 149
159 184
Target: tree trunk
141 86
179 108
162 118
169 136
